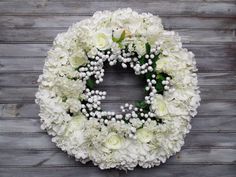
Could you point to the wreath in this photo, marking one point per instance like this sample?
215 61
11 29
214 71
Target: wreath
144 134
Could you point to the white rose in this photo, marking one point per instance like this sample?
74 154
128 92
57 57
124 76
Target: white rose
144 135
103 39
76 123
79 58
113 141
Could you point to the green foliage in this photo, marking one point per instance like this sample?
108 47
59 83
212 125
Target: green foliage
90 83
159 86
142 60
148 48
142 104
119 40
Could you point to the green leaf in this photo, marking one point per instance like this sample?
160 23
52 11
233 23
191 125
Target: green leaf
122 37
90 83
149 75
148 48
142 60
160 76
142 104
159 87
154 60
119 40
115 39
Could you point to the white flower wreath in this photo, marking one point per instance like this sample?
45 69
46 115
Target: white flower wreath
144 134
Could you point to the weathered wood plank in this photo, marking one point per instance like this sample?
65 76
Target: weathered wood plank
208 92
113 79
169 22
35 64
27 151
164 170
184 171
42 141
33 158
214 108
194 8
63 171
47 35
199 124
40 50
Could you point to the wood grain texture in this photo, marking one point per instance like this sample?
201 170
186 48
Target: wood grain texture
166 170
88 7
61 21
50 158
37 35
27 29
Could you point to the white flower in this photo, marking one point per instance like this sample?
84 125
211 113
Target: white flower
78 58
170 65
140 46
103 39
73 104
168 107
160 106
144 135
92 52
76 123
128 19
113 141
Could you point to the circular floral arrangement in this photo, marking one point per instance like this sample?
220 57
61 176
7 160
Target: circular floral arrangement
144 134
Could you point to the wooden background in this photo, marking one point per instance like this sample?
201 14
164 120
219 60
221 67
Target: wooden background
27 28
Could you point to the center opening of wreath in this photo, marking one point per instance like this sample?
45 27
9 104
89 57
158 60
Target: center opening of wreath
122 87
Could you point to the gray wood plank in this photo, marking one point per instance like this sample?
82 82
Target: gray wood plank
47 35
40 50
60 172
199 124
61 21
116 78
214 108
32 158
169 170
42 141
35 64
197 8
26 32
208 92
